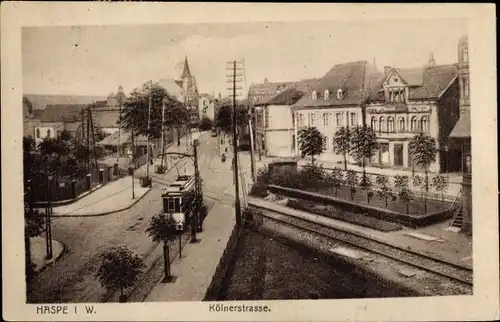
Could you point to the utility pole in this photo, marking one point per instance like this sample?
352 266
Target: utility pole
250 127
233 80
147 142
48 210
93 138
133 161
195 224
120 102
162 132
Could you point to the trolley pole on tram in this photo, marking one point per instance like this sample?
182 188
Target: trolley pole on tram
198 196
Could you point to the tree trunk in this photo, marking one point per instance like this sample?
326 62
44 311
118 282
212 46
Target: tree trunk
407 208
345 162
166 260
426 189
312 159
386 203
178 136
163 149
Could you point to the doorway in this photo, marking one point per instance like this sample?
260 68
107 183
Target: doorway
398 154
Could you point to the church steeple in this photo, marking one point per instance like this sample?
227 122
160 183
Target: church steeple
186 72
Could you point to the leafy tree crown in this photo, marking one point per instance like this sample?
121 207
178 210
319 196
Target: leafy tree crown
310 141
423 149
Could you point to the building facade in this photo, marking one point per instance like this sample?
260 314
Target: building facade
206 106
336 102
409 101
461 134
274 124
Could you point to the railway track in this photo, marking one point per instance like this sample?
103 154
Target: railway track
454 272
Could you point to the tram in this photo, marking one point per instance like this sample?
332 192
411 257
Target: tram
179 200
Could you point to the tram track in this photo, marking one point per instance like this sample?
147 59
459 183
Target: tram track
451 271
148 276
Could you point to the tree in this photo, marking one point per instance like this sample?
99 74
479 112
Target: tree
401 183
352 181
341 143
120 268
440 183
335 179
136 109
206 124
162 228
310 142
419 182
366 184
423 149
385 191
363 145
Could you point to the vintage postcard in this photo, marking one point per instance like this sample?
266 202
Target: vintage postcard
237 161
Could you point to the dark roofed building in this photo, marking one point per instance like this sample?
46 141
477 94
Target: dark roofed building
258 93
336 101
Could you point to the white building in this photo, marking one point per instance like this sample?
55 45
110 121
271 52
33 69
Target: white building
337 101
274 123
206 106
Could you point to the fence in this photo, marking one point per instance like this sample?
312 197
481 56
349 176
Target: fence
432 193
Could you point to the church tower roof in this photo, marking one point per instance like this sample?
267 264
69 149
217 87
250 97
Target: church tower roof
186 72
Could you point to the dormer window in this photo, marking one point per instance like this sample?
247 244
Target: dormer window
327 95
340 94
314 96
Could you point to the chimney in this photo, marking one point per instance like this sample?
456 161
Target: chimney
387 69
265 80
432 61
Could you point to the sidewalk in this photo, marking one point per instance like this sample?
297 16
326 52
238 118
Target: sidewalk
38 251
115 196
448 246
194 271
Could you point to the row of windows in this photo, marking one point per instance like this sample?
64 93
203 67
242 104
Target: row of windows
416 125
396 95
340 95
339 120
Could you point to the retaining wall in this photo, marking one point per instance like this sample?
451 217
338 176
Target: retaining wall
409 220
221 275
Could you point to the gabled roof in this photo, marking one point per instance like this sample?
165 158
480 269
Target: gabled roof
107 119
172 87
62 113
412 76
41 101
287 97
354 79
462 128
434 80
258 93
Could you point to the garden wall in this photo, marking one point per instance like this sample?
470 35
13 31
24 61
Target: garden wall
219 280
409 220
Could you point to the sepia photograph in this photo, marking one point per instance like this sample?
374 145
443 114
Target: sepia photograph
237 163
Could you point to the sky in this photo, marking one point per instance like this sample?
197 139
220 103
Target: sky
94 60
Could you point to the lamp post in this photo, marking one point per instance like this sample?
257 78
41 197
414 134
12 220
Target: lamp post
48 210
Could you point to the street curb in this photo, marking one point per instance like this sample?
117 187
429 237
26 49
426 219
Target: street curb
107 212
64 252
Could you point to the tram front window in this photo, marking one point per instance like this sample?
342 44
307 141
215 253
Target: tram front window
172 204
